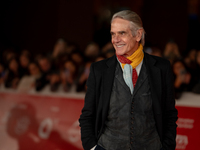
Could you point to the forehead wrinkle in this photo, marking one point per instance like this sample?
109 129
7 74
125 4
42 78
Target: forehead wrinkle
119 30
120 22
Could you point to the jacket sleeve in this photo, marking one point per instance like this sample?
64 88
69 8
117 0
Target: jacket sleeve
87 118
170 113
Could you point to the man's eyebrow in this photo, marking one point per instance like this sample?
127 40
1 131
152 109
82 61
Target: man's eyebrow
122 32
111 32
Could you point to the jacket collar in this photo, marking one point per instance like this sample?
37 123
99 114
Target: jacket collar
111 61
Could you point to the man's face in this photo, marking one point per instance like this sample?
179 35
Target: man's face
122 39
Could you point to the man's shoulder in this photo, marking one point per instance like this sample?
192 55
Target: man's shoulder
159 61
103 64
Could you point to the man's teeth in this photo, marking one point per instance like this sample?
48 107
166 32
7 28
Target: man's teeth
120 45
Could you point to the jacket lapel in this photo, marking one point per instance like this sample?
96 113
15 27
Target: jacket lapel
108 78
154 75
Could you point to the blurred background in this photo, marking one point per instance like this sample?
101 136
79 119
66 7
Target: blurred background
77 33
36 25
47 47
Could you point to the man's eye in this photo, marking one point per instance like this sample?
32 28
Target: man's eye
112 34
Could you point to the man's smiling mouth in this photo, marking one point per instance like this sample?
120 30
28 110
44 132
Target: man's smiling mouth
118 46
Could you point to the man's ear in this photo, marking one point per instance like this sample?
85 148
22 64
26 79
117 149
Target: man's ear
139 35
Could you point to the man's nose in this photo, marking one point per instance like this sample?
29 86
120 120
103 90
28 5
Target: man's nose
116 38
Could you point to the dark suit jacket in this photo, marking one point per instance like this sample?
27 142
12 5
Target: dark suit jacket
99 86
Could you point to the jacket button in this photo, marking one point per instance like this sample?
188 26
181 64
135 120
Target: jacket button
132 133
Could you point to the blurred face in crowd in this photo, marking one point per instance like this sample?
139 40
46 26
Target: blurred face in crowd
44 64
76 57
59 47
178 68
171 50
69 65
9 55
24 61
13 65
33 69
122 39
92 50
192 54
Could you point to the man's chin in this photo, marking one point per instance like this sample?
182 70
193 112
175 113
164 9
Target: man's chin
119 53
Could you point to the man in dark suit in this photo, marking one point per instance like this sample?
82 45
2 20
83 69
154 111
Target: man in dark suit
129 104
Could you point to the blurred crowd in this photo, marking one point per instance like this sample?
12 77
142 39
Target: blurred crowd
63 68
186 68
67 66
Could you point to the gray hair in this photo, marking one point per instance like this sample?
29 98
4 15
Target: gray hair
135 22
